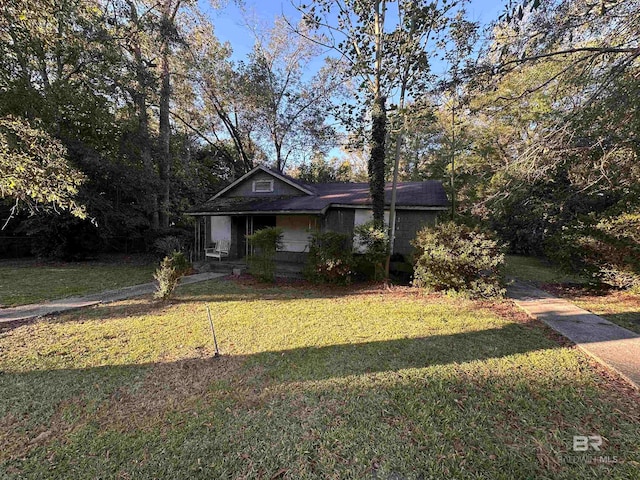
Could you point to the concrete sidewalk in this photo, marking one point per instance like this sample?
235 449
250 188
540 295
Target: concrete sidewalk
28 312
610 344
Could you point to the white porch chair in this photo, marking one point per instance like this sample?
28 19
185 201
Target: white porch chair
220 250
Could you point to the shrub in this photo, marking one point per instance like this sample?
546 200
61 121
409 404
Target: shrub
172 268
264 245
164 246
165 241
457 258
374 242
603 251
330 259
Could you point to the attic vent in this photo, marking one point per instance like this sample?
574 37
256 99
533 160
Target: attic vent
263 186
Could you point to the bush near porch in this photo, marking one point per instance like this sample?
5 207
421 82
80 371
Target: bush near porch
457 258
330 259
264 245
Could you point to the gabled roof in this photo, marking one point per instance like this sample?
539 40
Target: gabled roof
285 178
426 195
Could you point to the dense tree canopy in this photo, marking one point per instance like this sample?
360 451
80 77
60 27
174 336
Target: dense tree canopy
128 112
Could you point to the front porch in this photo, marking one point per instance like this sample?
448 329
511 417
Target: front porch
232 230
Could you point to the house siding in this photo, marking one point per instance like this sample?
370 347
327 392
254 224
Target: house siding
280 188
408 223
296 230
340 220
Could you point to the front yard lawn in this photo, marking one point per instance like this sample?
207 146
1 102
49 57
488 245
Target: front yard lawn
313 383
30 281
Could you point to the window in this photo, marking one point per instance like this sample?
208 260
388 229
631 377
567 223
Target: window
263 186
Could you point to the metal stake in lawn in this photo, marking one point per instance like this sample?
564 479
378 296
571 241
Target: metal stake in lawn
213 332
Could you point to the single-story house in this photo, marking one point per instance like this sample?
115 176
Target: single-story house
266 198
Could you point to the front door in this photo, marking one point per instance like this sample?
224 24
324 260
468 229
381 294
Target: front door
246 225
239 243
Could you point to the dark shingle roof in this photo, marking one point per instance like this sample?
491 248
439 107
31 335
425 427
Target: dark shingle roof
429 193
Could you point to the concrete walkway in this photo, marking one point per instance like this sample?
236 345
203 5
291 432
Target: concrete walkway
28 312
610 344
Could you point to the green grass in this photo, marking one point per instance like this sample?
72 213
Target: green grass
619 307
312 383
537 270
24 282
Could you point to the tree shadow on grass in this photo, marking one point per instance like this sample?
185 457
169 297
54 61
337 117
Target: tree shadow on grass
450 424
243 389
30 391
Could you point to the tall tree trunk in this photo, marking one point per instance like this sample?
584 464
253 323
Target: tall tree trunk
378 121
147 162
165 140
279 162
394 184
168 24
144 138
376 159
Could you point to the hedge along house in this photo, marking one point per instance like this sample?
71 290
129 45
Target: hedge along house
266 198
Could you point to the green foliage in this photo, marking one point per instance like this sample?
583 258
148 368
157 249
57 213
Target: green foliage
457 258
172 268
165 244
88 72
526 218
330 259
34 169
63 237
606 252
321 170
374 242
264 245
287 104
377 160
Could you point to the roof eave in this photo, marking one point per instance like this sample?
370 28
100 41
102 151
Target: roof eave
387 207
256 212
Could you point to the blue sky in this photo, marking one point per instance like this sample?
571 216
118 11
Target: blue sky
229 24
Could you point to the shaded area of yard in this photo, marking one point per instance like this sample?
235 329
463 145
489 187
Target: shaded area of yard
355 383
29 281
619 307
537 271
